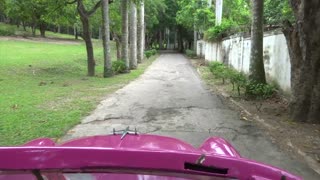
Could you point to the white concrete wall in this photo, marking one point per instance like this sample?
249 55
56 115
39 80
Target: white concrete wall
201 46
235 51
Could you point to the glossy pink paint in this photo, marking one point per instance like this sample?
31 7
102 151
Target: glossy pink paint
134 157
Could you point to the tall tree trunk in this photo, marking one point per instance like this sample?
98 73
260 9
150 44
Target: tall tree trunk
84 17
59 29
168 39
195 38
87 38
107 72
164 39
304 49
118 46
160 40
257 73
147 41
33 28
125 34
100 33
133 36
180 40
43 27
175 39
54 29
75 32
24 26
144 37
141 33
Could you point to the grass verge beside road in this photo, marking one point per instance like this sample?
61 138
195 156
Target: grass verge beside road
44 91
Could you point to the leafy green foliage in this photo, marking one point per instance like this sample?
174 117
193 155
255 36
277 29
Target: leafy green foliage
6 30
195 13
153 9
215 65
119 67
239 80
115 18
277 11
238 11
167 15
219 70
191 53
2 7
216 33
157 18
257 90
150 53
36 12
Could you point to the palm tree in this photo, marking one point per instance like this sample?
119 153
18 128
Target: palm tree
133 35
140 32
106 39
125 35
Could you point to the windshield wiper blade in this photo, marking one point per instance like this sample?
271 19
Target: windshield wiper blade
37 174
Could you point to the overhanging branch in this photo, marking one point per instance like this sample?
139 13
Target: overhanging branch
81 9
71 2
94 9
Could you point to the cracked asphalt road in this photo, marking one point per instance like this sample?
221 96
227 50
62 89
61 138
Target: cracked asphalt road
170 99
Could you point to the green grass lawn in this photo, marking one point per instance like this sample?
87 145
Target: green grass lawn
44 90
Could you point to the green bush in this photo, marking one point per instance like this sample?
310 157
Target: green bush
150 53
191 53
222 73
214 65
119 67
219 70
257 90
6 30
216 33
238 79
154 51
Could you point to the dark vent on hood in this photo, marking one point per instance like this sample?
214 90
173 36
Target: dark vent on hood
207 169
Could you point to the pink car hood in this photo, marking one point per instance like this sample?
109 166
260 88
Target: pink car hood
151 155
214 145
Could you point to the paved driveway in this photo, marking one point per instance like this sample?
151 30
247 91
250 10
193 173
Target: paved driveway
170 99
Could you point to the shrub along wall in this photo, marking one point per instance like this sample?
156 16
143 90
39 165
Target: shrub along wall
240 82
235 51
